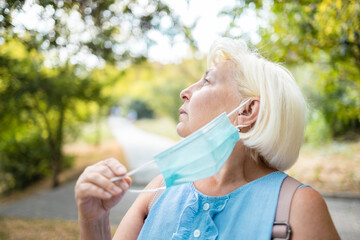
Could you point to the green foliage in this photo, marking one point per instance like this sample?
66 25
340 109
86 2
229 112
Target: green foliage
317 131
36 98
169 102
51 97
141 108
325 34
158 86
103 28
23 160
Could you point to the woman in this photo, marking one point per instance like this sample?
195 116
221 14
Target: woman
240 200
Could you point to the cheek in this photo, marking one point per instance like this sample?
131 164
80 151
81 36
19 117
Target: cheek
199 104
203 109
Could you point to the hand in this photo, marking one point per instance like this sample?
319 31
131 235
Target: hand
95 194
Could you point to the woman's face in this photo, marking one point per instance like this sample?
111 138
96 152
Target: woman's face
216 92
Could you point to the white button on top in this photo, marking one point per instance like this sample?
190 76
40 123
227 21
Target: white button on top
197 233
206 206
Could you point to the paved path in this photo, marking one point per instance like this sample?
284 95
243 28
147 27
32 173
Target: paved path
60 204
139 147
345 213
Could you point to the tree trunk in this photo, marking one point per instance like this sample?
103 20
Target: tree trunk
57 149
98 127
56 170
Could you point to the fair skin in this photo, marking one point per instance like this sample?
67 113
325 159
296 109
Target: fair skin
215 93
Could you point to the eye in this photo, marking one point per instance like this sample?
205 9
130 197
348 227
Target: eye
206 81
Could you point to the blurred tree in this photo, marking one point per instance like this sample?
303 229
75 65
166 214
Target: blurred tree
324 33
112 30
47 50
38 99
159 85
175 78
141 109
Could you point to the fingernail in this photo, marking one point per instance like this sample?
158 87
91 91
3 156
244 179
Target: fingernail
124 184
121 170
107 195
116 189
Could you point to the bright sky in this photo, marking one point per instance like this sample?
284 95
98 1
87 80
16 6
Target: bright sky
209 27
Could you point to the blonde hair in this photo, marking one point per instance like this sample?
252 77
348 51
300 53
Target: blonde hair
277 135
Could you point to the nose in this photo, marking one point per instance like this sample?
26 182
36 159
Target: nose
185 94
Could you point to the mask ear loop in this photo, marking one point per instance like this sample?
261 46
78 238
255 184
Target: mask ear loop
146 190
242 104
133 171
231 113
114 179
241 126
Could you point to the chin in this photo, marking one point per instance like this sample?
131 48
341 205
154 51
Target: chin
180 130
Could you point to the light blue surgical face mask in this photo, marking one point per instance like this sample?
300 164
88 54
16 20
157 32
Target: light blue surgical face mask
199 155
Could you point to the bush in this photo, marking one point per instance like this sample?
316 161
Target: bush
142 109
317 131
23 161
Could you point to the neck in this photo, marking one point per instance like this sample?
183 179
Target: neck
237 171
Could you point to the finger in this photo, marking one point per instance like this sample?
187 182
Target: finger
128 180
96 168
104 170
90 190
123 184
103 167
115 166
103 182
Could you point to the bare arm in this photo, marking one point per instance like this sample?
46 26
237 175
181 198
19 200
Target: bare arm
310 217
133 221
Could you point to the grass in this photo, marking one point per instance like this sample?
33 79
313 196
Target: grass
330 168
38 229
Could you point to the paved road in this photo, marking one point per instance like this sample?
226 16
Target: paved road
60 204
345 213
139 147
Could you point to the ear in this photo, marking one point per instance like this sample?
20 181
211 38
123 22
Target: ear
247 115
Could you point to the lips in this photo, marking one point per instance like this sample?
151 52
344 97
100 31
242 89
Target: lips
182 111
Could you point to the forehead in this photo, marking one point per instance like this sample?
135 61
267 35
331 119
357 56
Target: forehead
222 70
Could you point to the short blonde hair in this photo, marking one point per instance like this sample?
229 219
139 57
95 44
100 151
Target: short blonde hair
278 133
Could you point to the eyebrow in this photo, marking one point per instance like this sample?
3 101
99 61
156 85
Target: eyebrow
206 73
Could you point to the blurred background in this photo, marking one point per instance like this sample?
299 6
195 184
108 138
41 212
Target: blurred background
66 66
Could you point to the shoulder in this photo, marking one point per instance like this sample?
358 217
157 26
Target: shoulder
155 183
145 198
310 217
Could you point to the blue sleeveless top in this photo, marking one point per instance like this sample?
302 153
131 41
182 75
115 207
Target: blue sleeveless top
182 212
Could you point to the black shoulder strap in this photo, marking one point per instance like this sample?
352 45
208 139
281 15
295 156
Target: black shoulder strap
281 228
